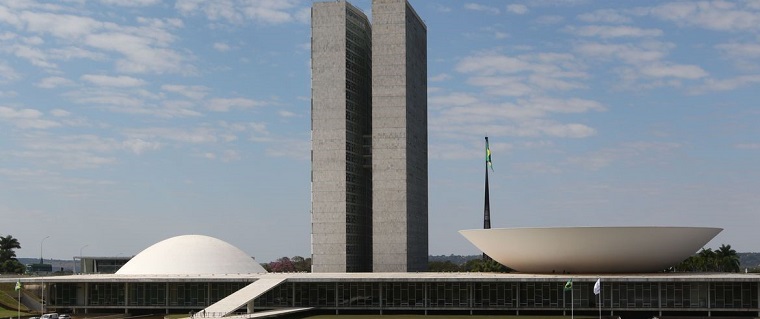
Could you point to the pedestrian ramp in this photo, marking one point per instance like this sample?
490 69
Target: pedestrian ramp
268 313
240 298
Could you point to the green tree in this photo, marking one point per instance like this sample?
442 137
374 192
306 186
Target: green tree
301 264
727 259
8 244
443 266
724 259
8 261
487 265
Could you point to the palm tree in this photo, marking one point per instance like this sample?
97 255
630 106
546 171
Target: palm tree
707 260
7 246
727 259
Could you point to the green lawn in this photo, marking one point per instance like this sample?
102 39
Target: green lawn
4 313
438 317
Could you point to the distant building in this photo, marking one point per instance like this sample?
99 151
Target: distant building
100 265
39 268
369 138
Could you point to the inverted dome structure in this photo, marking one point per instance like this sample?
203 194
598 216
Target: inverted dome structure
191 255
590 249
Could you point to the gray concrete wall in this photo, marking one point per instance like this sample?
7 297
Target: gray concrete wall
399 138
340 110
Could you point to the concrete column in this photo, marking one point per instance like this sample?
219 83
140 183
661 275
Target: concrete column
86 296
250 307
126 297
166 298
709 301
659 298
381 298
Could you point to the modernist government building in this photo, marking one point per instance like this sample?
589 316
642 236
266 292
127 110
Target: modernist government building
369 138
369 223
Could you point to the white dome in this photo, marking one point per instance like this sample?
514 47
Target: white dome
191 255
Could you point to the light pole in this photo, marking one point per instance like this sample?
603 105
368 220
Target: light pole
42 284
81 263
41 242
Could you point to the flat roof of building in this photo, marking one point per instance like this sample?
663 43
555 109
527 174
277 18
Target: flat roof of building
390 277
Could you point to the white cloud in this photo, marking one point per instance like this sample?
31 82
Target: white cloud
453 99
7 73
744 55
113 81
221 47
503 85
526 118
637 153
53 82
60 113
231 156
441 8
628 53
523 75
195 92
287 114
26 118
743 50
139 146
291 148
480 7
517 8
224 105
238 11
550 19
439 78
613 31
728 84
714 15
35 56
131 3
69 151
140 54
142 49
604 16
682 71
200 135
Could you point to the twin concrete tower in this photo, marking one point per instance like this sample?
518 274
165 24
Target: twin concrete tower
369 179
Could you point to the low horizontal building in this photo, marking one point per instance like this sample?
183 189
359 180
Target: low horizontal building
179 275
644 295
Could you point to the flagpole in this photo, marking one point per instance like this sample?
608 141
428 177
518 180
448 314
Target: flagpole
600 305
487 202
572 304
598 292
18 309
487 206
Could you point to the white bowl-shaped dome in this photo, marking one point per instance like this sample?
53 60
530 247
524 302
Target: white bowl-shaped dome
191 255
590 249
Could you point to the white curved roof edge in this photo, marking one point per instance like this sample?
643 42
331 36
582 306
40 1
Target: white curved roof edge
627 249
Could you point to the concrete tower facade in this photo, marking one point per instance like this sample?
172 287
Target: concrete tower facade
399 138
369 138
341 181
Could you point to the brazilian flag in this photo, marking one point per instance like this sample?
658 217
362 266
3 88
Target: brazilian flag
488 155
569 285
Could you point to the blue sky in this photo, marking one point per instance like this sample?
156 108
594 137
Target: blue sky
128 122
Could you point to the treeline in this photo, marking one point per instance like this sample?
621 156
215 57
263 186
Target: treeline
301 264
723 259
